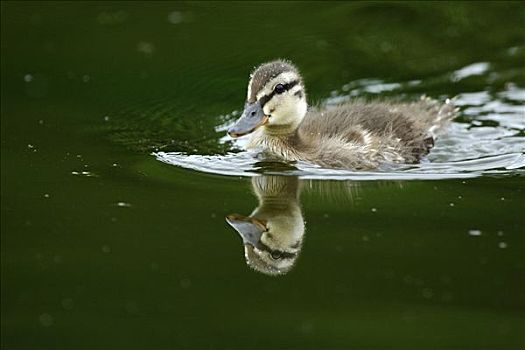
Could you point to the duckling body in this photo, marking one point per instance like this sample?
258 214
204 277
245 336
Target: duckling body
355 135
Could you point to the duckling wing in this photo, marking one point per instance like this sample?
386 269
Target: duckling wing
410 128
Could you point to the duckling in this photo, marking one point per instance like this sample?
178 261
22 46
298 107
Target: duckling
273 233
353 135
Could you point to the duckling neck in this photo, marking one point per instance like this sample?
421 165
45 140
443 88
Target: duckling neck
280 130
285 144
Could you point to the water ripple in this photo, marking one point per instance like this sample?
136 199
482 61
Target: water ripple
488 138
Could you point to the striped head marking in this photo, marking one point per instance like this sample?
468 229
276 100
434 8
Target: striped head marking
276 99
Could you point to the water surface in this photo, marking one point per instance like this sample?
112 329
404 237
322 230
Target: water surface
117 177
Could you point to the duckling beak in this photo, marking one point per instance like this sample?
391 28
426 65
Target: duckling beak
250 229
252 117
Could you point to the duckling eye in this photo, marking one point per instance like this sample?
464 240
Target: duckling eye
276 255
279 88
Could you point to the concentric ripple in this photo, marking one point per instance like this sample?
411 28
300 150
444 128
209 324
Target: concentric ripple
488 137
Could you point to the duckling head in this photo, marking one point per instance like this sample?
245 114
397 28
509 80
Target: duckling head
272 235
276 100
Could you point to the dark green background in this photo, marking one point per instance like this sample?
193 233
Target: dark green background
112 81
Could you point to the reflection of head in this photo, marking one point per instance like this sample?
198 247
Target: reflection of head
273 233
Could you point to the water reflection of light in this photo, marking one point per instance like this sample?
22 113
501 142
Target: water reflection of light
470 70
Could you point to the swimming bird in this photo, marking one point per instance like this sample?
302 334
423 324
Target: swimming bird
355 135
272 234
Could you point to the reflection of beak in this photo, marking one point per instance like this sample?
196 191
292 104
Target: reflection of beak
252 117
250 229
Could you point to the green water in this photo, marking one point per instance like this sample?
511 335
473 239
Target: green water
103 246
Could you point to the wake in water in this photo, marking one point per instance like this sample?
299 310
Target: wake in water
487 138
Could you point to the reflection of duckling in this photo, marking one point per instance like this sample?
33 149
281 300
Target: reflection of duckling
358 135
273 233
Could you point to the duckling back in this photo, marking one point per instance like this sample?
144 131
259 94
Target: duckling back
362 135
